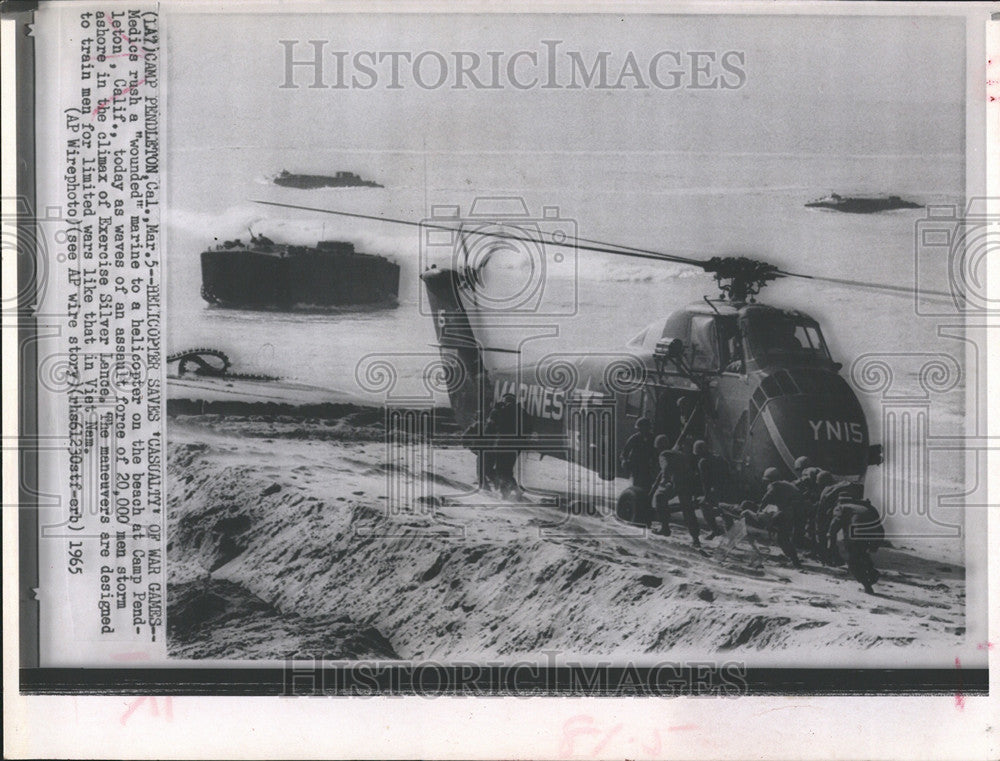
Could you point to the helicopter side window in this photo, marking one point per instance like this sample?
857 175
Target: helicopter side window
633 404
638 340
704 344
731 346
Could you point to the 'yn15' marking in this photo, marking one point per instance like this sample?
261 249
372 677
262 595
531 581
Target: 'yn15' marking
841 430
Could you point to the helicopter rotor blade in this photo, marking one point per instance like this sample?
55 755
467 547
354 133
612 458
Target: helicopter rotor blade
885 287
588 245
596 246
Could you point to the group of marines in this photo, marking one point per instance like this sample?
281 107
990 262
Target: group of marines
806 514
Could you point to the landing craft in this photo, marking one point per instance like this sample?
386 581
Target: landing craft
755 381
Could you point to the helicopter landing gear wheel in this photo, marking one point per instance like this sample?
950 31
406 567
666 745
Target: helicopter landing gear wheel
632 506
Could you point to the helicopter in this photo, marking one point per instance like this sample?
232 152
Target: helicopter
756 382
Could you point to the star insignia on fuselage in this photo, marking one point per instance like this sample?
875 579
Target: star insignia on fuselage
584 396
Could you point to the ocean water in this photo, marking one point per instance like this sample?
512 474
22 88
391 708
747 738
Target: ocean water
695 204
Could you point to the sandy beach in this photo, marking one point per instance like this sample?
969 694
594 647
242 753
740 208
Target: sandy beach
282 544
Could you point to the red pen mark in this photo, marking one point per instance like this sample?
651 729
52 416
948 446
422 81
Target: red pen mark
573 727
607 738
584 725
959 698
115 27
655 749
984 646
168 708
105 103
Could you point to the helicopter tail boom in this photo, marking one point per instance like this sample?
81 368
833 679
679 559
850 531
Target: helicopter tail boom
466 378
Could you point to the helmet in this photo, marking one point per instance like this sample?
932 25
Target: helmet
801 463
643 423
771 474
825 478
661 442
700 448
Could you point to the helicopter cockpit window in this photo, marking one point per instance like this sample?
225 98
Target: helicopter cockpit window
704 344
810 337
774 335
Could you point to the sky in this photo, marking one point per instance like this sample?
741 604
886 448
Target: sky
814 84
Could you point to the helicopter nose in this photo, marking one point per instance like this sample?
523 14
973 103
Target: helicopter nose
802 413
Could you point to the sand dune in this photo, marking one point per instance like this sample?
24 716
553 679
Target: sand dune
281 526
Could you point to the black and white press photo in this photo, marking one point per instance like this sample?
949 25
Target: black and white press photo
436 350
491 339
